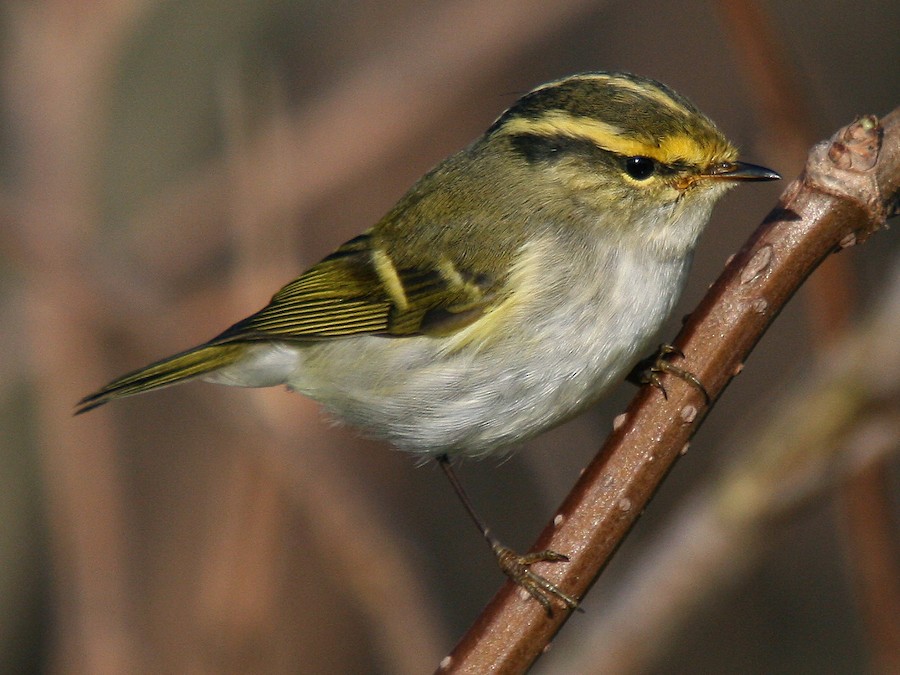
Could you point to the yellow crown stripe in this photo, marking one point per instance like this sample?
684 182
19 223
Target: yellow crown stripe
673 148
645 90
640 88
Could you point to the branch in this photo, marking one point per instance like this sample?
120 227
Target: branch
847 191
839 420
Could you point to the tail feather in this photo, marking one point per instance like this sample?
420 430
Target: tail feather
178 368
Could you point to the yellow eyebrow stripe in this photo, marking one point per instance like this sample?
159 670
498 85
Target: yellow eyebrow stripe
674 148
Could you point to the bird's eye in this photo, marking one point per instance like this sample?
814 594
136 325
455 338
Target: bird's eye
640 168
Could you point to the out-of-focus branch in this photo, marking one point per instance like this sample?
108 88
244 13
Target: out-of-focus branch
778 92
840 420
405 627
342 526
846 192
56 66
870 531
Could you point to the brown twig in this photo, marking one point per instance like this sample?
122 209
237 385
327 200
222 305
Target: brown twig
838 420
718 536
845 194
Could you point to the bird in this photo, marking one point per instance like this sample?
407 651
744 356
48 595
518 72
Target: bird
511 287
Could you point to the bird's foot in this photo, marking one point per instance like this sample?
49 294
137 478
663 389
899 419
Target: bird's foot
517 567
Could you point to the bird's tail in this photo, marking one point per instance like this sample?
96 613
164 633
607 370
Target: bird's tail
178 368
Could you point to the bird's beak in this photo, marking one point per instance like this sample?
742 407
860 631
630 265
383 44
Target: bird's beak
740 171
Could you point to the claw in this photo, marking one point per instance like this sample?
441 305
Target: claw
516 567
648 371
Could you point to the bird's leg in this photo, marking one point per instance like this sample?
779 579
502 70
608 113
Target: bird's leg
647 371
514 565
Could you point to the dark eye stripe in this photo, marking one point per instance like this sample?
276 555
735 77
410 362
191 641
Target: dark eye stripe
542 148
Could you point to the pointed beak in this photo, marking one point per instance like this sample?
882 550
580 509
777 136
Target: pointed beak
740 171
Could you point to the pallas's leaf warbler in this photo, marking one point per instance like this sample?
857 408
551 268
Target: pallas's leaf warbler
508 289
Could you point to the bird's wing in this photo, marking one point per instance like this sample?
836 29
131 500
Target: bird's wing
359 289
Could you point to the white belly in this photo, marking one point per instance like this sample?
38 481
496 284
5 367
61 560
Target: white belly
471 401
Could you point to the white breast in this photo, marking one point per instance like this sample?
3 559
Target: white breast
559 350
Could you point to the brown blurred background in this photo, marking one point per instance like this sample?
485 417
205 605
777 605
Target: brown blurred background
167 166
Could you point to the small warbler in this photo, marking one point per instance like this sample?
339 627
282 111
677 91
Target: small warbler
507 290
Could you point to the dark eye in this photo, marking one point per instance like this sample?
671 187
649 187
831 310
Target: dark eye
640 168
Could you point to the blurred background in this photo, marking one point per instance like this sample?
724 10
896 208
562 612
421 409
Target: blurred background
167 166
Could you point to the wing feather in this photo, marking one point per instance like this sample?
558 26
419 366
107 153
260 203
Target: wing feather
354 291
